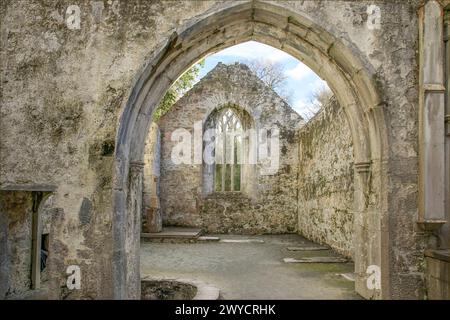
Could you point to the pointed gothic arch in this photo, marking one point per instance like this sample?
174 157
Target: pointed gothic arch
332 57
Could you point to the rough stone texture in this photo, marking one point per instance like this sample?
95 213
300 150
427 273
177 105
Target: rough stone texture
438 274
64 92
46 213
151 211
4 256
266 202
167 290
133 231
325 180
15 227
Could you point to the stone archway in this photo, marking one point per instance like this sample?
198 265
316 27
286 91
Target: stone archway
334 59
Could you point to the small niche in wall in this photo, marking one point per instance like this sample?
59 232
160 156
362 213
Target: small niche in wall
44 250
21 236
41 238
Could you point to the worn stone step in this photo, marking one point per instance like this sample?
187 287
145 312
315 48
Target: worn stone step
308 248
176 232
173 233
208 239
241 241
316 260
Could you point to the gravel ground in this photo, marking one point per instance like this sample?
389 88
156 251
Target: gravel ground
251 270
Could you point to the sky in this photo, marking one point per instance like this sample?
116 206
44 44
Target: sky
301 81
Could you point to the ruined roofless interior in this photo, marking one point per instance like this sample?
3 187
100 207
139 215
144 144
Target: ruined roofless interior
139 161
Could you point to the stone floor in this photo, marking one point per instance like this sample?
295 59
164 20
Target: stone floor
251 270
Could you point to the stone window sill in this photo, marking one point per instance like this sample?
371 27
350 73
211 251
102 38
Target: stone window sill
431 225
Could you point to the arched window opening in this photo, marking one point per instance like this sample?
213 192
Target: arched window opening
228 152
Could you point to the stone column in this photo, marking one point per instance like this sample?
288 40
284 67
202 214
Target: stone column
446 229
151 205
133 231
369 272
431 117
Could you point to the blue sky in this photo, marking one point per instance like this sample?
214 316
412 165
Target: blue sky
301 81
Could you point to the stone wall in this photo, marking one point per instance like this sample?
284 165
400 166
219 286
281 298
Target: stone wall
16 243
268 203
325 180
64 91
438 274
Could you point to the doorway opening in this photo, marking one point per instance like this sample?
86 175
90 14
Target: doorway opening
267 177
345 71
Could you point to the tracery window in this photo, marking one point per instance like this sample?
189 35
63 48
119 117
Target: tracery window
228 151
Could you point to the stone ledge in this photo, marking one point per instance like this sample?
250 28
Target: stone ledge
430 225
227 195
443 254
28 187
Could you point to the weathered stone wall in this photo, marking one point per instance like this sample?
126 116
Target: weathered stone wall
270 206
325 180
16 243
438 274
63 91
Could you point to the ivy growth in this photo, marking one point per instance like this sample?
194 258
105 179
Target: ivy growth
178 89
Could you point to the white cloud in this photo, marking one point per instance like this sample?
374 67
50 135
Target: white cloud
299 106
307 109
318 84
299 72
254 50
